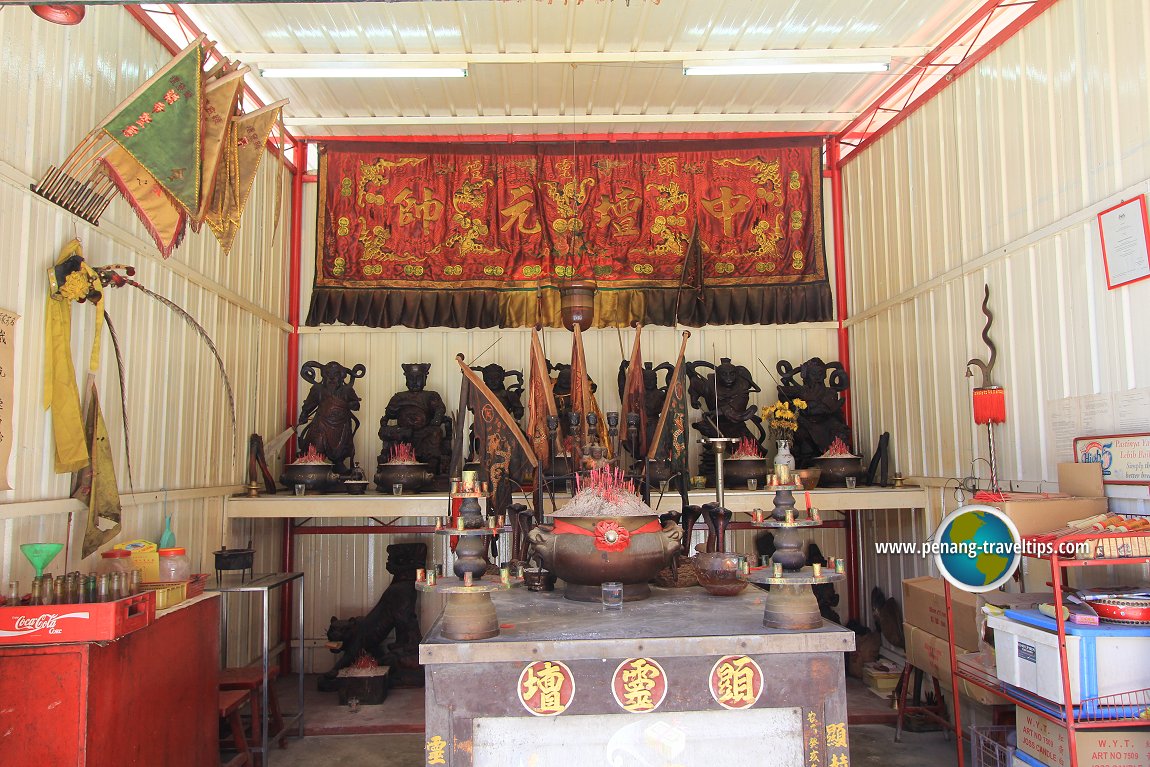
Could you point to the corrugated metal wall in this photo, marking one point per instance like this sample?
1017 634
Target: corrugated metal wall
60 82
998 180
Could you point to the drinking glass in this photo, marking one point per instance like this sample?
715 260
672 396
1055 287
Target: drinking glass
300 489
612 595
852 481
752 484
397 488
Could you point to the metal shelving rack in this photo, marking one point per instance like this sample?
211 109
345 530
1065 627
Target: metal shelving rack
1108 711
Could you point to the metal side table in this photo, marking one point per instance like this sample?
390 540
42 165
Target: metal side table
264 584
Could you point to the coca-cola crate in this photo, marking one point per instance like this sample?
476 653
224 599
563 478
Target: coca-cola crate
92 622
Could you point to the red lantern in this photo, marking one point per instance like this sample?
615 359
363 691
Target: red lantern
990 405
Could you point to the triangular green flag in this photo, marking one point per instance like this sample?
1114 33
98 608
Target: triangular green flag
160 126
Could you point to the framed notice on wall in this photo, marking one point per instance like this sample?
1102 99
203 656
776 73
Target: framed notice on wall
1125 232
1125 458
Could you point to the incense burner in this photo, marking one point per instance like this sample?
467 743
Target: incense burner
585 552
413 476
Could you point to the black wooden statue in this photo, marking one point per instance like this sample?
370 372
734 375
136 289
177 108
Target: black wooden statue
725 398
395 611
654 395
417 417
823 420
332 401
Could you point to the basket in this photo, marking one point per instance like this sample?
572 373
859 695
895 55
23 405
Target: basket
171 593
989 747
167 594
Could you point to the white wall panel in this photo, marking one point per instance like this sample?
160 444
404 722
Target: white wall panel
68 79
998 181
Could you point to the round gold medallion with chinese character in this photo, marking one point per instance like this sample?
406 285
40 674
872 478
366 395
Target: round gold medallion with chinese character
736 682
546 687
639 685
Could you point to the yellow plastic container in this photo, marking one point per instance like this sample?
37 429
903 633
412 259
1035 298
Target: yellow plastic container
167 594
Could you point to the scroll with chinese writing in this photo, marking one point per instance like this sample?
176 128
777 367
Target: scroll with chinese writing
483 235
7 389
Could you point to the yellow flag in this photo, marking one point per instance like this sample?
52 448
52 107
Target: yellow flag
95 484
244 150
160 215
220 97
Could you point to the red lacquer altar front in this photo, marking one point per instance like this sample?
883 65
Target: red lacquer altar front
486 235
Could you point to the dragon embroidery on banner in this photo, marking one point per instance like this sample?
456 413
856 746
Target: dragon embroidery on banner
470 233
498 447
567 198
769 178
376 175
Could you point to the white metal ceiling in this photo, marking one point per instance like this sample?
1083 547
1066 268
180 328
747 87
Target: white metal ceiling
590 66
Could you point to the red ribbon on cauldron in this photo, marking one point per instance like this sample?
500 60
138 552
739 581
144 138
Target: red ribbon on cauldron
609 534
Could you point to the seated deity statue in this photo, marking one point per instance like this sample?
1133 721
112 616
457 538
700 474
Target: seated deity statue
417 417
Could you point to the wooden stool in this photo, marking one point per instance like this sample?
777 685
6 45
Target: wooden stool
230 702
250 679
935 713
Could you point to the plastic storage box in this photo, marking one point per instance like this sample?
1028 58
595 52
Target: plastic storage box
1101 660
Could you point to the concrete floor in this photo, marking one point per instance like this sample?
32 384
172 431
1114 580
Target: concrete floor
871 744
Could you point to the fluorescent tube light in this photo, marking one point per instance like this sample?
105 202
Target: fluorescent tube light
795 67
362 71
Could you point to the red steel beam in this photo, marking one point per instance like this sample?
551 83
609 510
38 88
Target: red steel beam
838 234
559 137
292 391
1037 7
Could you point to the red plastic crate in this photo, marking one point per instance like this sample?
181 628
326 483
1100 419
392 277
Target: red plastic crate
94 622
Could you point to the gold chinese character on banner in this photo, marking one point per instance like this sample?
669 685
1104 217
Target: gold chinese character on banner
546 688
523 205
436 748
426 210
726 206
837 735
840 760
619 213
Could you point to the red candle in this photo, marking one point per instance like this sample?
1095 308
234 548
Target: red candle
807 495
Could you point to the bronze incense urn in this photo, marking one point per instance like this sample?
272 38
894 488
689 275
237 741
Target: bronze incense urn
606 533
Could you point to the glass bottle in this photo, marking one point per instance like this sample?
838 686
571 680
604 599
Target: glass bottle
135 584
90 588
60 591
102 588
13 593
36 598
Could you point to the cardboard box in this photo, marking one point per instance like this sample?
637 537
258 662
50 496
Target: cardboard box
881 676
924 606
1048 743
1080 485
927 652
1039 514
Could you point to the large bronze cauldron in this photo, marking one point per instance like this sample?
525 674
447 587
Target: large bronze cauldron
586 552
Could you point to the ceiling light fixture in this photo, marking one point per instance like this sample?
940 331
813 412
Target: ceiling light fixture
365 71
787 67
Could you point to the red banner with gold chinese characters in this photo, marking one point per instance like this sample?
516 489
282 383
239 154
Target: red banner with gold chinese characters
479 235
